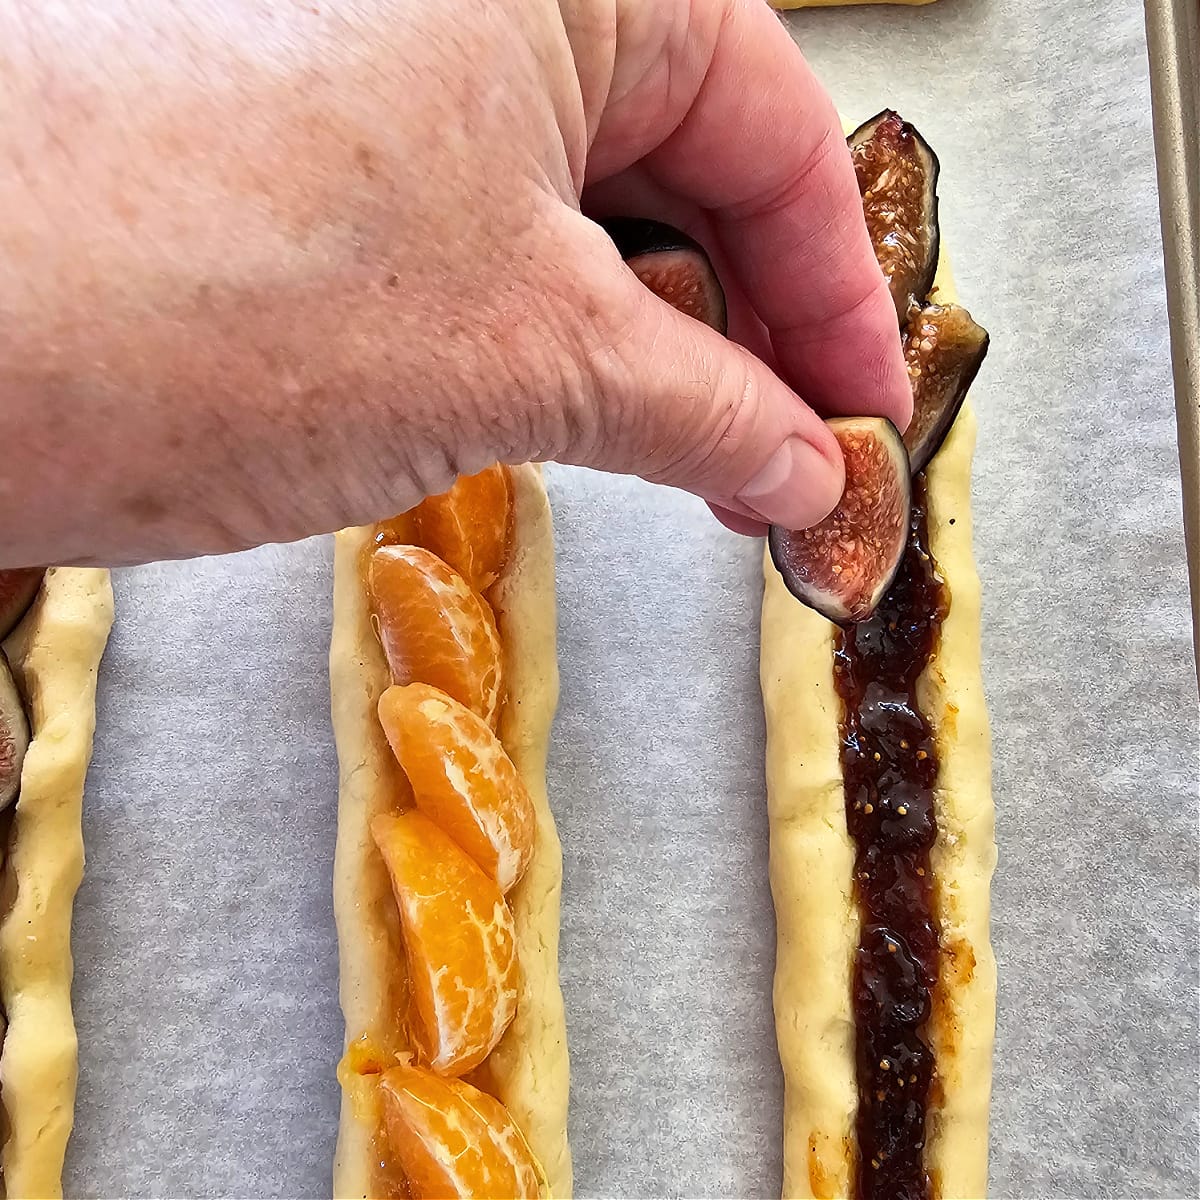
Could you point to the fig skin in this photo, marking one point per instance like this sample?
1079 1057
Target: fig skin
897 176
14 735
943 349
17 590
673 266
843 566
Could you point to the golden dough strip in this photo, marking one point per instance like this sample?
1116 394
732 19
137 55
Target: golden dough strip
55 655
528 1069
812 858
962 1026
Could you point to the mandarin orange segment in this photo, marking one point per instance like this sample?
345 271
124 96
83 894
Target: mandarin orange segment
434 628
461 778
453 1140
459 939
469 526
396 531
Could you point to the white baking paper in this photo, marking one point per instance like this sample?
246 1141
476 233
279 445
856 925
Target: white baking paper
206 965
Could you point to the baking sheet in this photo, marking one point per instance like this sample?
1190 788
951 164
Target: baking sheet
206 965
1173 37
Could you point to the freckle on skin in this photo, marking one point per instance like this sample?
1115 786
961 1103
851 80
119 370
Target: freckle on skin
364 160
146 508
307 403
124 209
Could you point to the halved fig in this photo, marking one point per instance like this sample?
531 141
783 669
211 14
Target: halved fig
672 265
14 735
897 176
844 566
17 590
943 348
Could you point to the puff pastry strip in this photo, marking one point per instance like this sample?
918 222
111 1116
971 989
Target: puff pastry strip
812 862
54 654
528 1070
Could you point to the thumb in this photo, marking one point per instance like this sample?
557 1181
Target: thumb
677 403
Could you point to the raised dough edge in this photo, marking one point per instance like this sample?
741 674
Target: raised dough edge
529 1069
370 951
811 868
812 856
55 655
962 1025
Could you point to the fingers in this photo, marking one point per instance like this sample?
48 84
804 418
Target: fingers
678 404
761 148
737 523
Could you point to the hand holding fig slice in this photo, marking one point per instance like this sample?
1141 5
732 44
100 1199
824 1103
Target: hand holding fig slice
897 176
672 265
943 348
14 735
844 566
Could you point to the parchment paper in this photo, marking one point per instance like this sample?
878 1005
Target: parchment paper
206 964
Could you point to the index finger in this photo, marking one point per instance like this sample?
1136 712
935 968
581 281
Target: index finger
761 147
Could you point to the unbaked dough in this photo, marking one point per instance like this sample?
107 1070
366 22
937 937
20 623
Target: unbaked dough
528 1069
55 655
812 857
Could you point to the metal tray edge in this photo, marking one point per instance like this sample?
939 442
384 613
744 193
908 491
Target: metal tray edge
1173 41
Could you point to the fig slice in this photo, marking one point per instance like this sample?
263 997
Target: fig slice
943 348
672 265
14 735
897 176
844 566
17 590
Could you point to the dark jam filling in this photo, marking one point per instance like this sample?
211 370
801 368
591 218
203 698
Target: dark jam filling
889 764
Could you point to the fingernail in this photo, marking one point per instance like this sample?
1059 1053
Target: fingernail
796 488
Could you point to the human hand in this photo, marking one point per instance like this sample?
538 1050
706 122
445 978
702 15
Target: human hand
273 270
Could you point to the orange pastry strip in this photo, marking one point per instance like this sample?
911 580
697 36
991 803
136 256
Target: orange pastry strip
452 858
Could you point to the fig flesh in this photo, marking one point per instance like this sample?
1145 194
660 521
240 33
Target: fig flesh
943 348
17 590
897 176
14 735
672 265
844 566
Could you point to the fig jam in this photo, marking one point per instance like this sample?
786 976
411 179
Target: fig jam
889 764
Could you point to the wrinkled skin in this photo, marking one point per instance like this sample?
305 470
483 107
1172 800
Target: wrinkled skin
270 269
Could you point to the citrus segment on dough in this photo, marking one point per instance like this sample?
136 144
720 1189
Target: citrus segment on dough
396 531
435 628
469 526
453 1140
459 940
461 778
